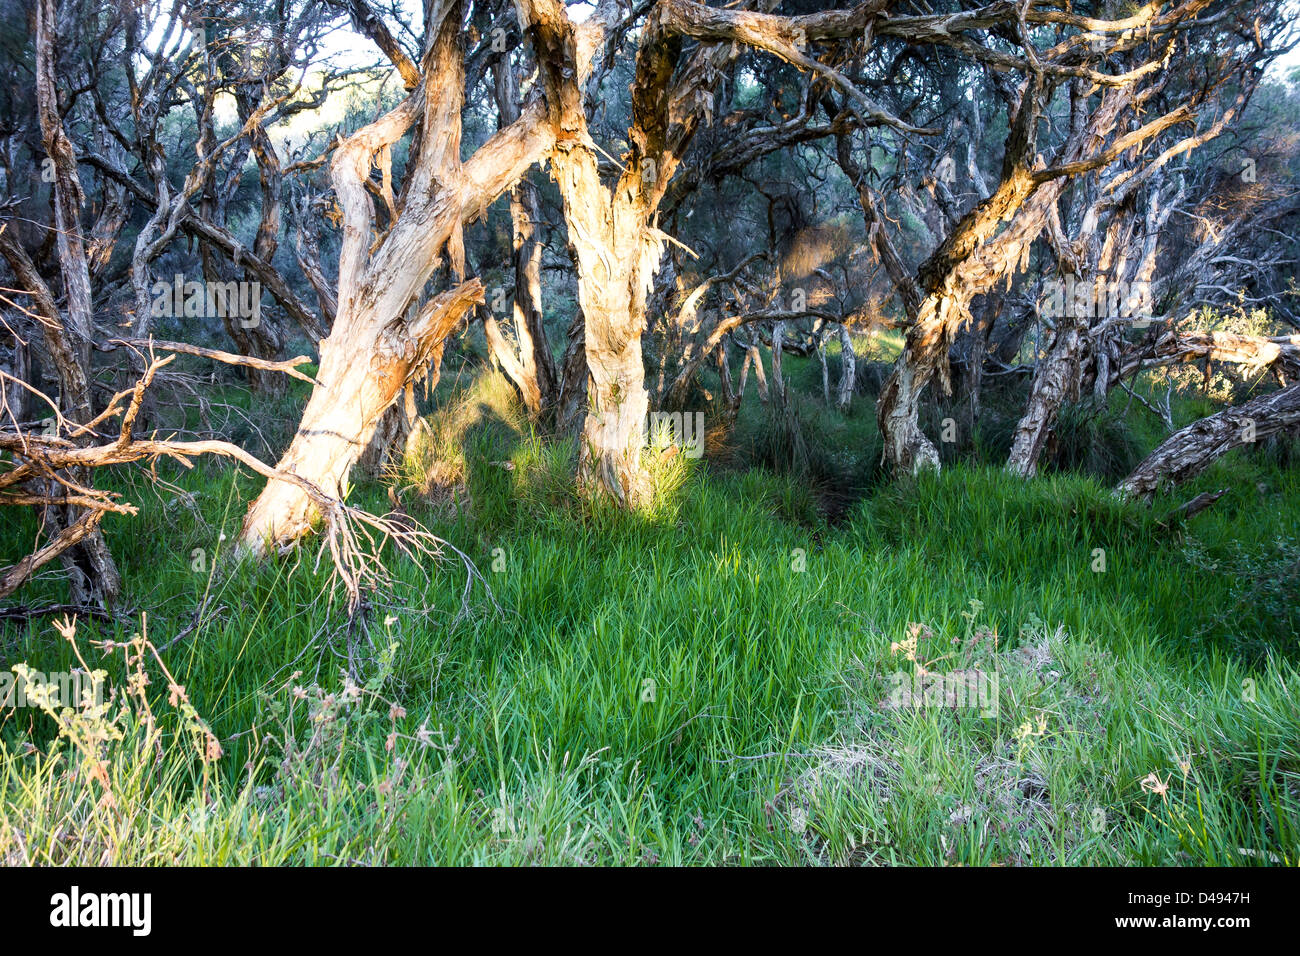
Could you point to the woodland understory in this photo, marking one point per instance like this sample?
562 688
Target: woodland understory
546 432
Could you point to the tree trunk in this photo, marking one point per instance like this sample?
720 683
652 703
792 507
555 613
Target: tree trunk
258 336
374 350
364 367
307 254
760 377
848 369
533 371
93 573
1053 383
724 374
778 348
968 262
616 250
16 398
987 246
612 233
820 337
571 398
1188 452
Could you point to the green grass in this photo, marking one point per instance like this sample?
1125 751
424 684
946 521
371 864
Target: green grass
703 682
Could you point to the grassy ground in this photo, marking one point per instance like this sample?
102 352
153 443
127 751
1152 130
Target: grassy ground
710 681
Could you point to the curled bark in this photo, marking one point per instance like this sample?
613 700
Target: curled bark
532 368
1191 450
374 350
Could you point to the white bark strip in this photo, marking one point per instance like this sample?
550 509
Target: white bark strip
848 372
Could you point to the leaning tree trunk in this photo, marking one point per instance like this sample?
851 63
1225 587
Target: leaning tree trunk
1190 451
970 261
364 367
1123 257
753 357
374 351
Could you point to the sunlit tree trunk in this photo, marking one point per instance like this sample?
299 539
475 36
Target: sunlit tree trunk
376 349
608 237
616 244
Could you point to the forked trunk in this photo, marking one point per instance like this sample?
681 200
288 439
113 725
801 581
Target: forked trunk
533 369
616 250
375 350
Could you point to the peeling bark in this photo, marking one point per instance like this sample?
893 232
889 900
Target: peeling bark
615 244
374 351
755 358
92 572
344 411
1191 450
848 370
533 368
1053 383
989 245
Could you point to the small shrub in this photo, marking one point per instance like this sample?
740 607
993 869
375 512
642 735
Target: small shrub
1094 439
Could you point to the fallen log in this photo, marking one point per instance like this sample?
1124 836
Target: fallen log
1188 452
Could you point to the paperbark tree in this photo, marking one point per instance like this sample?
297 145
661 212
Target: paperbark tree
92 571
532 367
989 244
612 230
615 244
1191 450
1129 207
383 340
848 370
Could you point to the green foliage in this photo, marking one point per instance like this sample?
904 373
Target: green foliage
836 458
706 681
1095 439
